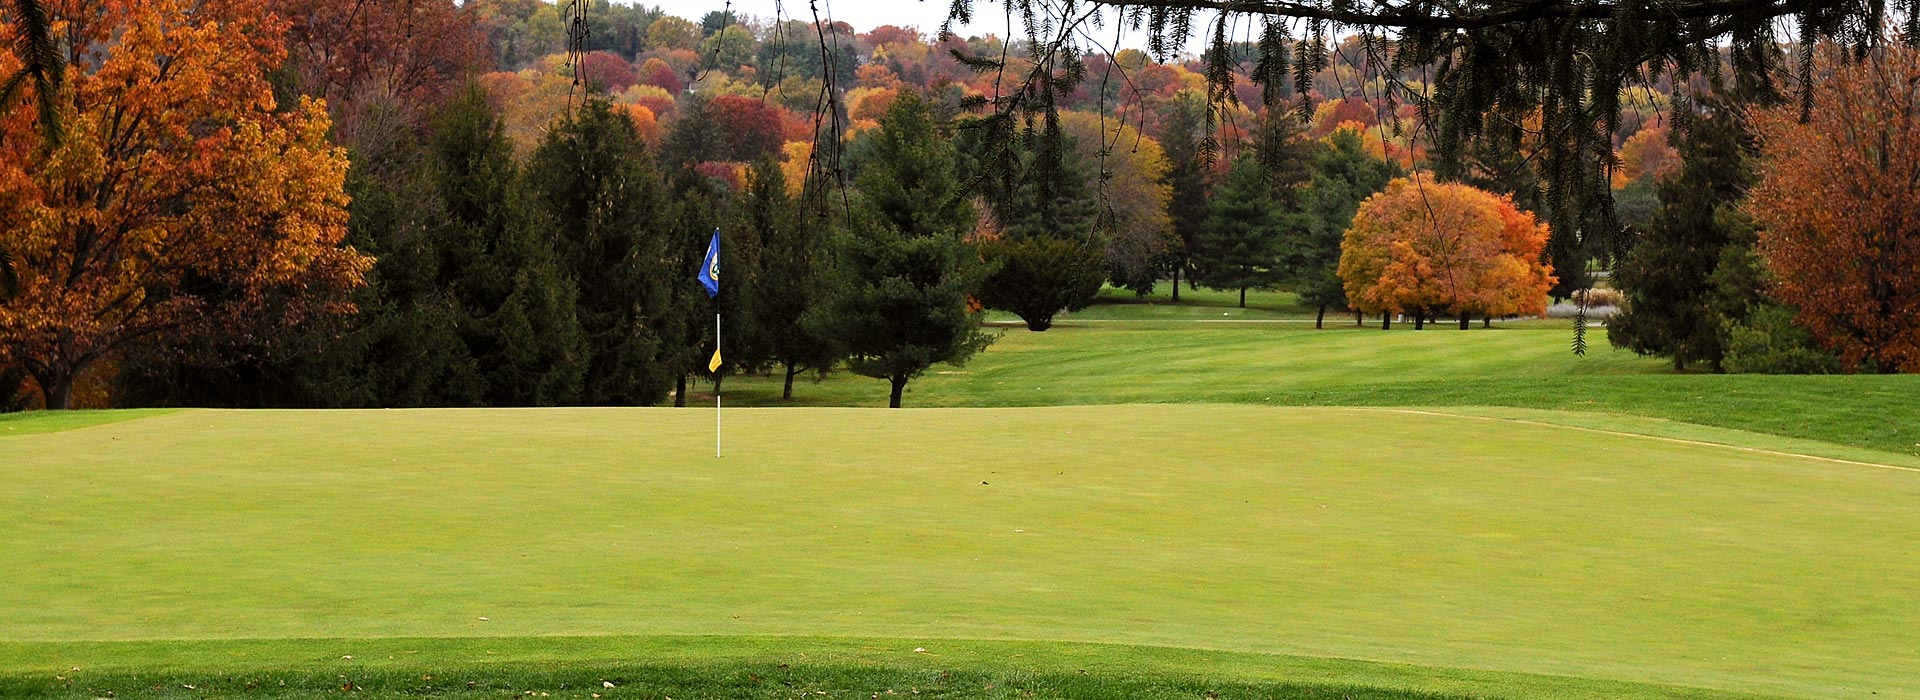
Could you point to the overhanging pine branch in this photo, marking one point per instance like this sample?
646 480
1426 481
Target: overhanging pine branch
1445 15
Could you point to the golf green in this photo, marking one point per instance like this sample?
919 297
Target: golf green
1450 541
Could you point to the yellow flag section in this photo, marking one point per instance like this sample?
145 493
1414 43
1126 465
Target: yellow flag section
713 365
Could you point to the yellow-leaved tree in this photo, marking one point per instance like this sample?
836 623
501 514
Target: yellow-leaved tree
1426 249
182 203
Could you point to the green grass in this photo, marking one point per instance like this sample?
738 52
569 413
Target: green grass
1457 549
751 667
55 421
1523 365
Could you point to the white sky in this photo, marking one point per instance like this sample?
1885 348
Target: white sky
989 16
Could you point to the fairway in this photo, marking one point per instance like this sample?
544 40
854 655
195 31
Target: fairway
1443 541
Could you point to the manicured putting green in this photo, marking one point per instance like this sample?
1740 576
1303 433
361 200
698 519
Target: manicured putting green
1433 540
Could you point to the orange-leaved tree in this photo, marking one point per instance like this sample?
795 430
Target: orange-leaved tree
1839 208
181 204
1426 249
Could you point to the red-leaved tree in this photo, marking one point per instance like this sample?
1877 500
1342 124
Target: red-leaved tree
412 51
1839 208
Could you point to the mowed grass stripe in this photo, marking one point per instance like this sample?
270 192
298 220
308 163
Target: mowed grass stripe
1521 365
1430 540
1664 438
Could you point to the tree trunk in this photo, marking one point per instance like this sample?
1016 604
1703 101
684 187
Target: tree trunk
57 390
680 392
1386 322
1176 282
1486 321
899 387
786 393
1359 319
1320 318
1466 320
1419 320
716 383
1039 323
1679 365
1243 297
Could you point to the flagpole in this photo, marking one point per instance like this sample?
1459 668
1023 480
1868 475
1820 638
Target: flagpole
716 387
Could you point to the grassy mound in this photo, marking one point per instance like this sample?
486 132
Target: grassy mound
1429 540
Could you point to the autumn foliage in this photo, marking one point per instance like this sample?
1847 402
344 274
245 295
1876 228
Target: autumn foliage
1427 248
181 201
407 50
1839 209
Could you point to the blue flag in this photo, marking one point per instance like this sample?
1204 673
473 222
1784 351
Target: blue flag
710 267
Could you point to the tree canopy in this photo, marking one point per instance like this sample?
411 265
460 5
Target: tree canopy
181 198
1837 199
1552 73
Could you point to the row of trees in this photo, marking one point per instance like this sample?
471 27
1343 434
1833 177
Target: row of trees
571 280
187 229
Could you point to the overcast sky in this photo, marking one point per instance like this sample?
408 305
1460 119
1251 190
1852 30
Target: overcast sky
989 17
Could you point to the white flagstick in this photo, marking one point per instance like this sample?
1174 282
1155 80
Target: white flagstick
716 387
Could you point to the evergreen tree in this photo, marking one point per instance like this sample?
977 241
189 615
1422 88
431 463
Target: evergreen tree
1669 278
903 276
517 319
790 285
742 230
1286 158
1046 257
1344 175
594 178
696 136
1184 138
700 204
1240 244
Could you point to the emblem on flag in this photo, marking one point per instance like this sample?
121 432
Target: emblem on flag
710 270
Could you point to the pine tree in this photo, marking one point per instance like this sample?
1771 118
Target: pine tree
1183 136
1344 175
1239 248
1047 256
790 284
1669 276
518 318
405 349
902 275
595 180
700 204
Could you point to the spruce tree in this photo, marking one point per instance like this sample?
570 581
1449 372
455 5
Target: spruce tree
902 275
405 349
1183 136
1669 277
1239 248
594 178
495 258
700 204
742 232
790 285
1047 256
1344 175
